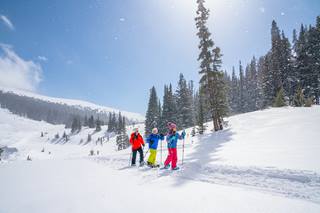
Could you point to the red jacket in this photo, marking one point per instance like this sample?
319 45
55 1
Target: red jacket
136 141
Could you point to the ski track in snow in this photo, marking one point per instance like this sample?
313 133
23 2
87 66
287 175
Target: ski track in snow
300 184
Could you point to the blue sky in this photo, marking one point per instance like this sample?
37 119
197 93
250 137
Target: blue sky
112 52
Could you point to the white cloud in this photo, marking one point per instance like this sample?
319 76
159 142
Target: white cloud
282 13
122 19
42 58
16 72
7 22
262 9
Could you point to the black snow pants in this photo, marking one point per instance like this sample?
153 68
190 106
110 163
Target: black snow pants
134 156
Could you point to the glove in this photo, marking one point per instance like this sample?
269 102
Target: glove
183 134
143 145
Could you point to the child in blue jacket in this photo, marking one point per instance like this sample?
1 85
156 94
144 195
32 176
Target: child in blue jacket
172 139
153 141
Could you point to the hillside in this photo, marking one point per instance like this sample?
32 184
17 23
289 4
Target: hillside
264 161
24 102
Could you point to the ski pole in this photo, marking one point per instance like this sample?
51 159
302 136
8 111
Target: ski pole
182 150
161 152
130 158
147 152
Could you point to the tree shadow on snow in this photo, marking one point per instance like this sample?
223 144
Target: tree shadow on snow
204 153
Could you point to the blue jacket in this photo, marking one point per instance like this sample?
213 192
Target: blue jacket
172 139
153 140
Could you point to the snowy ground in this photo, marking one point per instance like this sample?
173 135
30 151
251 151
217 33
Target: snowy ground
265 161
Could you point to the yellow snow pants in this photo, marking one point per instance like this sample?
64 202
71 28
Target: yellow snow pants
153 156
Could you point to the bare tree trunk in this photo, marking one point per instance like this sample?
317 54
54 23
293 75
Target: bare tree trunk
220 123
215 123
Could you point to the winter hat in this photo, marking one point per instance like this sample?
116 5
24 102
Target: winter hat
172 126
155 131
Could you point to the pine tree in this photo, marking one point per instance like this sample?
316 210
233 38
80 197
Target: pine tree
74 125
267 82
286 65
252 91
210 65
299 100
280 99
234 93
123 124
185 113
114 122
260 97
293 76
302 62
312 74
98 125
169 109
122 139
85 123
200 117
275 54
242 103
109 122
152 115
119 124
192 116
91 123
160 122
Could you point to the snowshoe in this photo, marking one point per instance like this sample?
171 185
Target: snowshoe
166 167
151 165
176 168
142 164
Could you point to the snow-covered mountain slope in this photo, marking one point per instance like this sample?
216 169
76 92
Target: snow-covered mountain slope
25 135
264 161
278 137
76 103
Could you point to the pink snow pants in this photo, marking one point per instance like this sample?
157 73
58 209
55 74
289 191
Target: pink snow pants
172 158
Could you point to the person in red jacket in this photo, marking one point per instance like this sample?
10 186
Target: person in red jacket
137 142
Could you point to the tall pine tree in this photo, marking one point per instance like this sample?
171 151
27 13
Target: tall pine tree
153 114
210 64
185 113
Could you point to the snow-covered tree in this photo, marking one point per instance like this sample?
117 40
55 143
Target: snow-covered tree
184 101
210 64
98 125
169 108
91 122
279 101
298 100
153 114
76 125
